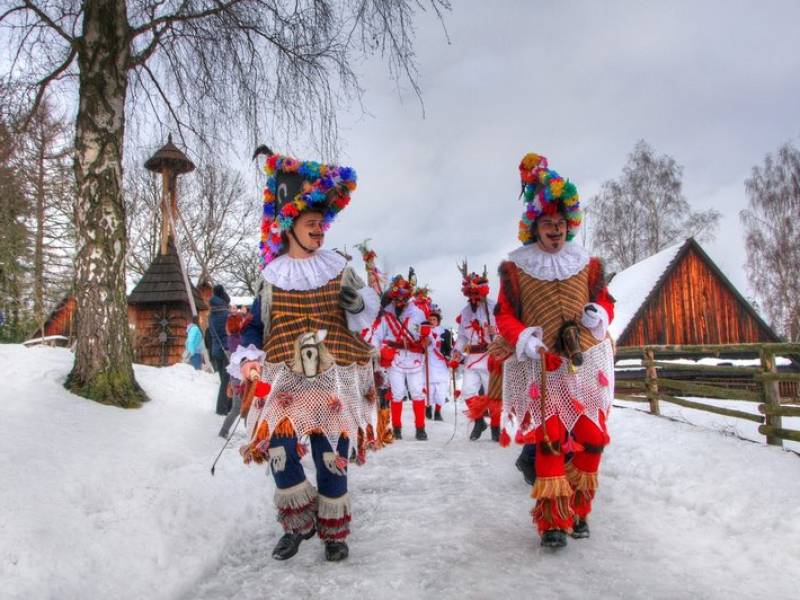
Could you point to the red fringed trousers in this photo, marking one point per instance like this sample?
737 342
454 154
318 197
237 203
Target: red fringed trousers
564 490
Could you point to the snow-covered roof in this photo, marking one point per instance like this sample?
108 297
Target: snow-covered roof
632 286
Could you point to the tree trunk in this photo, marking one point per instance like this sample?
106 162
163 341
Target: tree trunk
103 369
38 252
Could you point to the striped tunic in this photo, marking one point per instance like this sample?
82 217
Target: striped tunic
549 304
295 312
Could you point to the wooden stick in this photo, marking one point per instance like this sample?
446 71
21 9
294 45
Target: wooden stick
783 411
777 432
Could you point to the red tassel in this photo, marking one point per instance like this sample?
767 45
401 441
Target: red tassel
602 379
505 439
533 392
458 394
262 389
551 361
578 405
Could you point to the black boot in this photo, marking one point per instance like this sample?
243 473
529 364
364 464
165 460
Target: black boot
478 429
495 434
288 544
437 416
421 435
527 468
336 551
580 529
398 433
554 538
428 413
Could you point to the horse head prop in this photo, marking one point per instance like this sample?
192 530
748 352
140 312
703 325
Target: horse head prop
568 343
311 357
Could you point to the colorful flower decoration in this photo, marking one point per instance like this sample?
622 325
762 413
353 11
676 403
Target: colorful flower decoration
545 192
326 188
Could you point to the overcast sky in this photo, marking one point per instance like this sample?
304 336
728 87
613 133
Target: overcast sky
713 84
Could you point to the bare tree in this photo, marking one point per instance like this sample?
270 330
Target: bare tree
217 217
243 273
142 193
201 66
773 238
644 211
14 240
43 164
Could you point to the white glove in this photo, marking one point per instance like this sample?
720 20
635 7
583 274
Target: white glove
529 342
532 347
595 319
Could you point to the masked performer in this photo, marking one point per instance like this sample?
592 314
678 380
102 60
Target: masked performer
557 378
304 341
476 329
401 339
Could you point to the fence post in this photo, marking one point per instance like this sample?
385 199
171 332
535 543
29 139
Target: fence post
651 379
772 395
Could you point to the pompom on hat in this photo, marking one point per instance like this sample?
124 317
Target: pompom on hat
293 187
545 192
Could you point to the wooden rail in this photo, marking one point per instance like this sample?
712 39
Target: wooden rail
762 382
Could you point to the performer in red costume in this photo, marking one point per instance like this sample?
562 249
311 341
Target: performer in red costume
553 313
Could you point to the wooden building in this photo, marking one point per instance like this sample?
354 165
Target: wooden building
159 311
60 322
160 307
679 296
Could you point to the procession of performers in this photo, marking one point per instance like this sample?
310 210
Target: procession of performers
321 345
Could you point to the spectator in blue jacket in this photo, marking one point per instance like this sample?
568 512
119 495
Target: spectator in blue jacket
194 344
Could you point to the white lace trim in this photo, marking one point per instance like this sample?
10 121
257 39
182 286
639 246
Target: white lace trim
565 263
303 274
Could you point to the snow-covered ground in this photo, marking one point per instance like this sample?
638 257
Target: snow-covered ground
97 502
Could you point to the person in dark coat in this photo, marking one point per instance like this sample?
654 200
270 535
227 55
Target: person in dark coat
220 302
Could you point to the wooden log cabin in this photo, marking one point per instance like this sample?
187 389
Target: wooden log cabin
159 311
680 296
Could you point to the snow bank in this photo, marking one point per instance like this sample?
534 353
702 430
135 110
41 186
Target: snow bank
98 502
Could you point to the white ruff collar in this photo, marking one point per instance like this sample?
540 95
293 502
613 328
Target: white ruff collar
537 263
304 274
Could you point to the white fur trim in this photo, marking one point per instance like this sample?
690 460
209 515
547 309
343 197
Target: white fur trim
525 336
304 274
363 320
596 323
297 496
240 355
334 508
537 263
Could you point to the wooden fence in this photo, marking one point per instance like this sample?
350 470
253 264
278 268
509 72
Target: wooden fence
660 379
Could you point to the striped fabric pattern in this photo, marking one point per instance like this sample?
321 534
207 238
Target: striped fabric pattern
295 312
549 304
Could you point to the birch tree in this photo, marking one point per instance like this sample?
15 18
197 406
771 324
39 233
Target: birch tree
201 67
772 238
644 210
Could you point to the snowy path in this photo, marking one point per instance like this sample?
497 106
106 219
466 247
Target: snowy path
452 522
98 502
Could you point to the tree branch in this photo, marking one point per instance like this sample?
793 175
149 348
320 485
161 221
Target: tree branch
44 17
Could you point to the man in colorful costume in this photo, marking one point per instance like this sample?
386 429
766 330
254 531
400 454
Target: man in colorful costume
476 329
439 349
316 373
553 314
401 339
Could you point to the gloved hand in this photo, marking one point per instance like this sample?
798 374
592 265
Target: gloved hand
591 317
532 347
594 318
350 300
